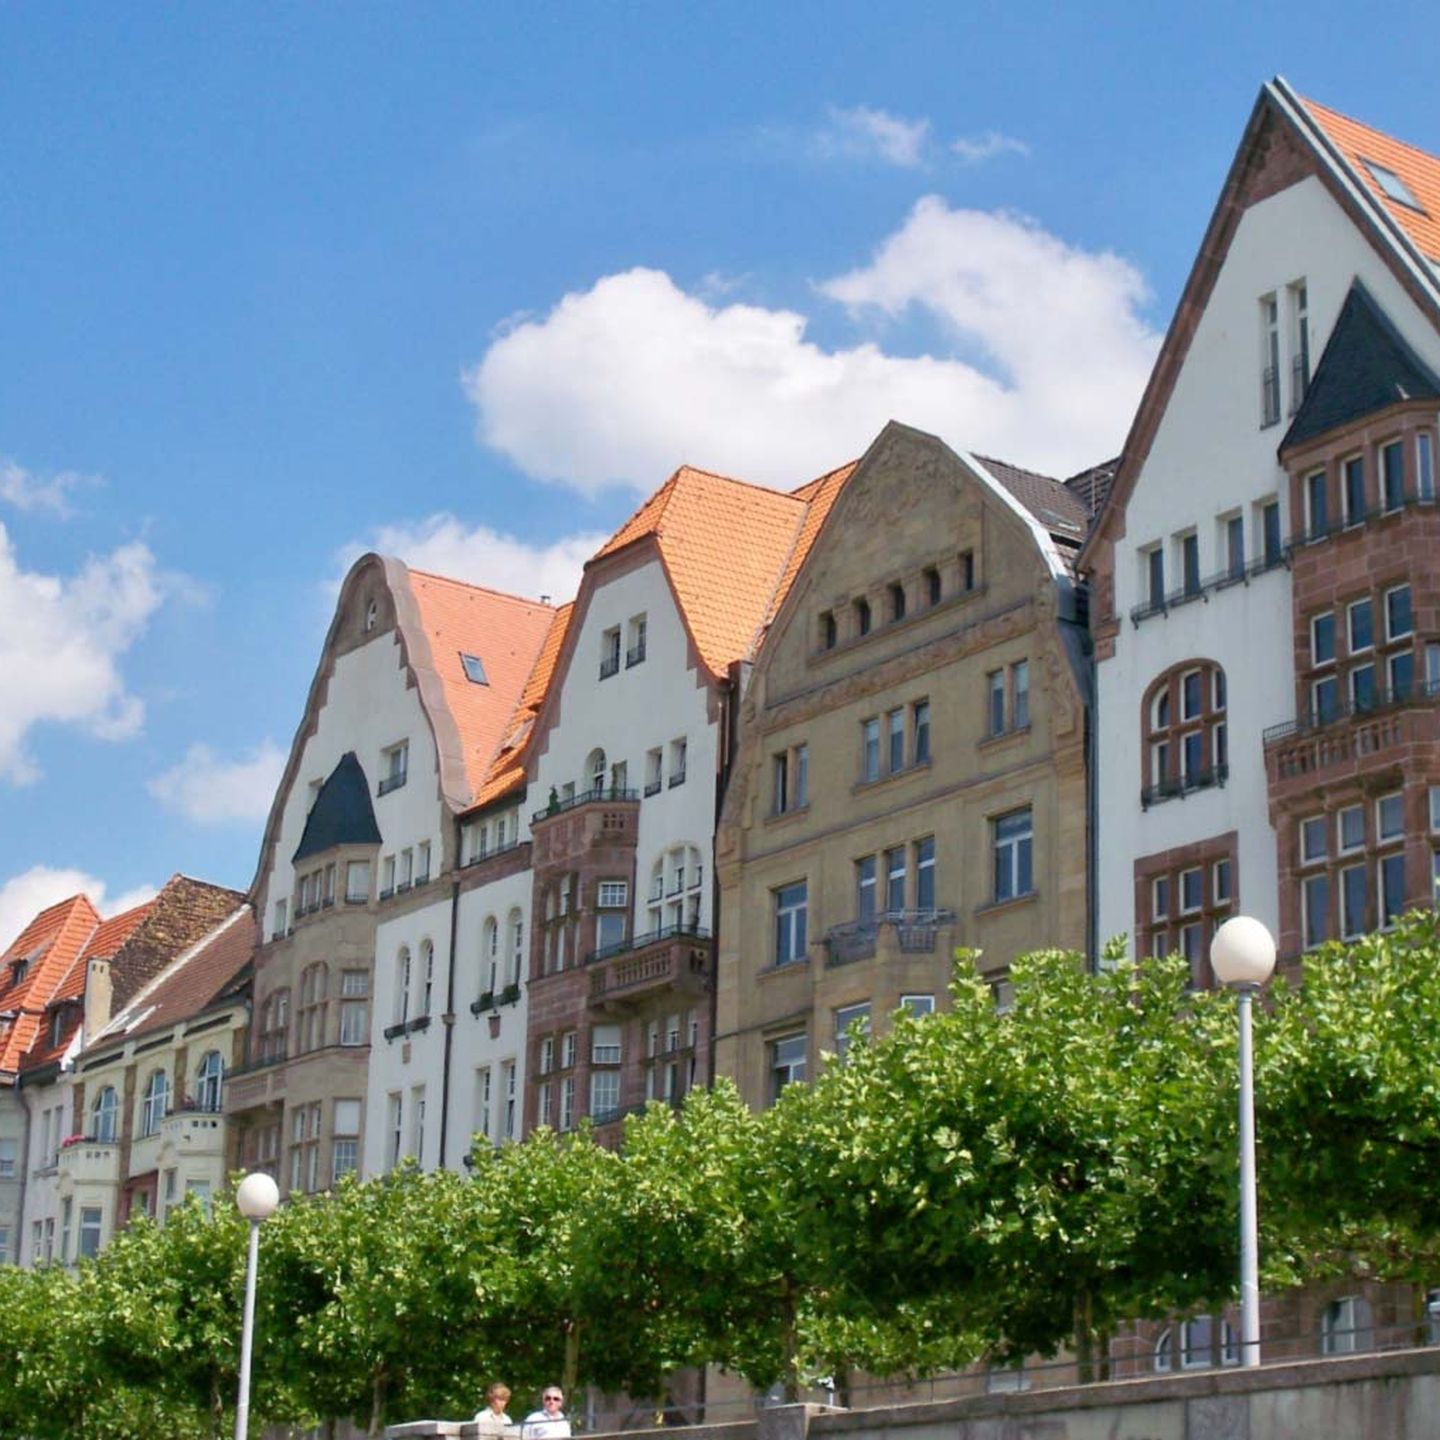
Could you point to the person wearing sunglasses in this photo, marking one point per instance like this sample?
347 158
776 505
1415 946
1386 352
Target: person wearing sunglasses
548 1422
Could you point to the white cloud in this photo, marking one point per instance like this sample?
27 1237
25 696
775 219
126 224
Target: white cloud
976 149
620 383
61 640
210 790
865 133
23 896
27 491
444 545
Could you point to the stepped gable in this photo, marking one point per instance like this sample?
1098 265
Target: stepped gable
507 770
1363 147
342 813
37 961
504 633
1366 366
202 975
183 912
724 544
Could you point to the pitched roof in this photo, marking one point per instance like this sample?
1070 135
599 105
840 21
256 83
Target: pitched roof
1090 487
1364 147
819 497
1366 366
504 632
725 589
183 911
49 945
1058 509
109 936
342 813
195 979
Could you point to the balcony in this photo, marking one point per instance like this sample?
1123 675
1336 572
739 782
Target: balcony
261 1082
90 1162
676 958
193 1132
1182 785
1203 589
916 932
1349 736
568 828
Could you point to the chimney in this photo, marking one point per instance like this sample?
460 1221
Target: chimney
98 996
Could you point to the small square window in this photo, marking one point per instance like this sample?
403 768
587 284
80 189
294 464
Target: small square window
474 669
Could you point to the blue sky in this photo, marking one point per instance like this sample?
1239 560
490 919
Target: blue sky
280 283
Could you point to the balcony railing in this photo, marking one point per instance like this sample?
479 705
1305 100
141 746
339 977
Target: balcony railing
650 937
1182 785
407 1027
493 851
392 782
604 794
916 932
266 1062
677 779
1419 693
653 787
1236 574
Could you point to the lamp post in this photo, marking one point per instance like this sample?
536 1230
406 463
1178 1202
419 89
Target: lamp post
256 1200
1242 955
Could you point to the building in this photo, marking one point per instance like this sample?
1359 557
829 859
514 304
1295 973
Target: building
85 983
627 762
1264 612
146 1093
416 682
911 770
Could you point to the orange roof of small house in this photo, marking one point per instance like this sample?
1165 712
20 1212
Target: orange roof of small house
50 945
505 633
109 936
1364 146
726 545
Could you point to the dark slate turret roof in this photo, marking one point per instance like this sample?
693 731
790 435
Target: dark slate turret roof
1367 366
342 813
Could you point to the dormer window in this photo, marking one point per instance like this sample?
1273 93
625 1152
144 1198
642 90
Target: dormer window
57 1025
18 971
474 669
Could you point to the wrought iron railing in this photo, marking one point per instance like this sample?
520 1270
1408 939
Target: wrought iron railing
1180 785
1391 699
604 794
684 931
916 932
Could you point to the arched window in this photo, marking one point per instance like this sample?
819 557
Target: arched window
427 976
402 986
490 955
515 928
155 1103
677 887
104 1111
595 770
209 1082
1184 738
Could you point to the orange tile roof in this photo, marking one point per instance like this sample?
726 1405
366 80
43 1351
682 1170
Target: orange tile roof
725 544
505 632
820 495
1420 172
109 936
51 943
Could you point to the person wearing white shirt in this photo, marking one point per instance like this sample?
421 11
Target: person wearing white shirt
549 1422
492 1420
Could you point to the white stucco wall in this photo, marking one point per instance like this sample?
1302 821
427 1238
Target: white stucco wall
1210 456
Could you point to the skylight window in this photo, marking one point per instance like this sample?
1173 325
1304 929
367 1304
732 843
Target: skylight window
474 669
1393 186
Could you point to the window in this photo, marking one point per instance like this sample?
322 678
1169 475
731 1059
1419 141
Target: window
1189 752
417 1124
610 652
677 762
402 987
394 766
791 779
1269 361
345 1143
427 976
918 1005
611 901
1399 618
829 630
967 570
1350 829
1184 899
895 730
895 879
1392 475
1315 909
1234 540
861 611
897 602
1012 843
787 1062
395 1128
1160 898
604 1094
1352 472
104 1111
354 1007
422 862
1395 189
89 1246
387 877
357 882
925 873
515 927
1154 562
1322 639
567 1103
474 669
1424 466
654 762
1300 361
1346 1326
635 641
865 888
481 1120
1198 1337
1317 505
995 702
210 1082
507 1090
1273 548
1187 549
1192 893
1390 887
920 732
605 1045
869 750
800 764
310 1018
569 1043
1352 901
931 580
847 1016
281 919
155 1103
790 916
1020 694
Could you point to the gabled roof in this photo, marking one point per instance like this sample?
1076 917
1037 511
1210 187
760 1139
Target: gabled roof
50 944
104 944
725 545
1364 147
1058 509
194 980
819 497
1366 366
342 813
505 633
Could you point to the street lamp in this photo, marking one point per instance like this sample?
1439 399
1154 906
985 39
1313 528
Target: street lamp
256 1200
1242 955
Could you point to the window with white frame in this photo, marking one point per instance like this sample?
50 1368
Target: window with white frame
605 1045
870 750
394 766
417 1124
1269 360
354 1007
395 1128
90 1232
345 1139
612 911
1392 474
678 750
567 1103
357 882
1012 849
480 1120
403 978
1347 1326
791 911
507 1092
604 1094
918 1005
427 976
569 1047
610 652
635 641
155 1102
788 1062
851 1022
515 930
104 1112
210 1082
676 890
